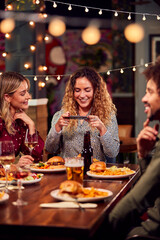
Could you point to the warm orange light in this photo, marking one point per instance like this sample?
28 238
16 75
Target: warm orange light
7 25
56 27
32 48
7 35
134 33
91 35
27 65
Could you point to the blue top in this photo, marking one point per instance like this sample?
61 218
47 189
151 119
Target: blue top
72 144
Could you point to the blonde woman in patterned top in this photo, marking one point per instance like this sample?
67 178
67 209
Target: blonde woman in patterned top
85 95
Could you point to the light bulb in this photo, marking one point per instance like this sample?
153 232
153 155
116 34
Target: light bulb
116 14
70 7
129 16
121 71
100 12
54 4
86 9
56 27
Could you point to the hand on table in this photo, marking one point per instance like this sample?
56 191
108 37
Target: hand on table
146 139
25 160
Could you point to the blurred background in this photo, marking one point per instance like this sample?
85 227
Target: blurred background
47 40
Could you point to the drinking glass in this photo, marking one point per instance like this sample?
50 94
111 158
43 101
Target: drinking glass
20 173
75 168
7 156
31 140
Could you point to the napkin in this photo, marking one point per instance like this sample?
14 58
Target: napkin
68 205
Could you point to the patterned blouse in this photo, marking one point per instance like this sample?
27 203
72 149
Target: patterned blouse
70 145
18 140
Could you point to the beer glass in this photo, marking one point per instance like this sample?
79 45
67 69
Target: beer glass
75 168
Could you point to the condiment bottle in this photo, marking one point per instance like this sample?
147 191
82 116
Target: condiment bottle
87 152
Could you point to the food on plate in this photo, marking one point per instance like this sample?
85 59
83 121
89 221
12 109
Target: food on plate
70 186
2 170
98 166
55 162
114 170
74 189
30 177
1 194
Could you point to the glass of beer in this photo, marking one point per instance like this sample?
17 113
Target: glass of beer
75 168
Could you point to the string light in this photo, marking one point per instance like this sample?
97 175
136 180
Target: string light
46 78
32 48
158 17
121 70
70 7
35 78
58 77
129 16
4 54
86 9
144 17
32 23
100 12
116 12
54 4
7 35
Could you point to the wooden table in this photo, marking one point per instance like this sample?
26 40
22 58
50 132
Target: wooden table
32 222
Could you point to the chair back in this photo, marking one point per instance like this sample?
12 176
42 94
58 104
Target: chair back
125 130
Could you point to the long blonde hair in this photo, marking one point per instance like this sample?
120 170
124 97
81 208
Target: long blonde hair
102 104
9 83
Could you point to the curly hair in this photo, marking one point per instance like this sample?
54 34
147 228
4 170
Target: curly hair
9 83
102 105
153 72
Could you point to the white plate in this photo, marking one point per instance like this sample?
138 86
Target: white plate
55 195
4 198
48 170
109 176
25 182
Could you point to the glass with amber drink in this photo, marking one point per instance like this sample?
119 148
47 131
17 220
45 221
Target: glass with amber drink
75 168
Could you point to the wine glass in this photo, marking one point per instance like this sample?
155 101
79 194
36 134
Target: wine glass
7 156
20 173
31 140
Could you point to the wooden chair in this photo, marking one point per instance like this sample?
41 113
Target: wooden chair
128 144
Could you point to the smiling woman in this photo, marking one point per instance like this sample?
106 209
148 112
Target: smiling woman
86 95
14 121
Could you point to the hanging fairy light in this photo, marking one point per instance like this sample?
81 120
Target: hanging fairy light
32 48
4 54
116 14
144 17
100 12
86 9
58 77
70 7
134 69
35 78
129 16
121 71
54 4
108 72
32 23
7 35
46 78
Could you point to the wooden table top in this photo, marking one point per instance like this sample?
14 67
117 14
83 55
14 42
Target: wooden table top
127 144
48 223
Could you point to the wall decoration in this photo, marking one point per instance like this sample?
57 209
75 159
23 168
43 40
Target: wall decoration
154 46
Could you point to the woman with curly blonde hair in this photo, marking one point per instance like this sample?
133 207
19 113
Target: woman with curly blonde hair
14 121
86 95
